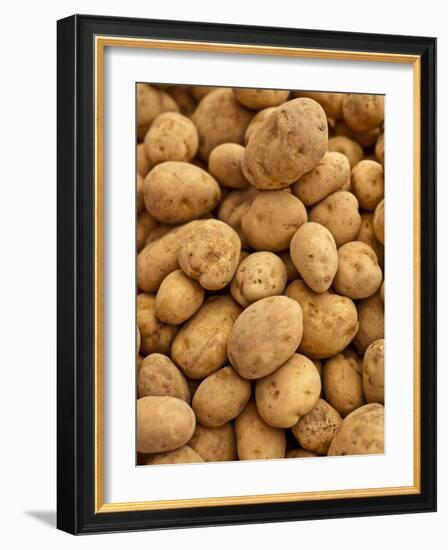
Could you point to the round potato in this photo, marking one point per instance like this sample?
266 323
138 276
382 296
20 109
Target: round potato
373 372
259 275
200 346
256 98
265 336
315 430
224 163
172 136
368 184
256 440
156 337
358 275
371 322
343 384
300 453
158 375
143 164
289 143
183 455
379 150
351 149
232 209
221 397
339 213
256 121
214 444
151 102
329 174
314 253
177 192
330 102
288 393
365 139
163 424
363 112
367 235
178 298
145 225
211 254
378 222
361 433
272 219
330 322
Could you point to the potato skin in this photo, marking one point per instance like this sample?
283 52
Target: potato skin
233 208
314 253
286 145
351 149
371 322
221 397
329 174
214 444
140 203
379 150
330 322
182 455
178 192
373 372
300 453
224 163
315 430
291 270
366 235
256 98
163 424
264 336
343 384
256 121
256 440
259 275
145 225
211 254
151 102
178 298
158 375
362 432
156 337
143 164
368 184
363 112
365 139
288 393
200 345
271 220
378 222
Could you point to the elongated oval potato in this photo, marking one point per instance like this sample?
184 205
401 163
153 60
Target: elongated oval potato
200 346
156 337
363 112
257 98
373 372
151 102
286 145
214 444
256 440
224 163
158 375
265 336
361 433
371 322
178 298
378 222
163 424
368 184
330 322
289 392
221 397
314 253
351 149
183 455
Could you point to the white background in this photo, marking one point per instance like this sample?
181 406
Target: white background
27 292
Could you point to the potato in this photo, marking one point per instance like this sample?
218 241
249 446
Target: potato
315 430
288 393
214 444
156 337
272 219
363 112
159 230
139 202
143 164
199 92
340 215
351 149
378 222
343 384
371 322
145 225
139 360
221 397
172 136
291 270
367 235
158 375
289 143
232 209
138 340
330 322
184 99
224 163
256 440
200 347
314 253
178 298
365 139
177 192
151 102
256 98
300 453
361 433
330 102
368 183
183 455
265 336
220 118
259 275
256 121
358 275
382 292
329 174
379 150
373 372
163 424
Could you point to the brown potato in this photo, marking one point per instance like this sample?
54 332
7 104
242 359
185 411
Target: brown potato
367 235
300 453
151 102
145 225
314 253
379 150
365 139
330 322
256 98
361 433
352 150
156 337
221 397
289 143
160 230
139 202
382 292
214 444
158 375
178 298
182 455
363 112
378 222
289 392
232 209
265 336
330 102
368 183
199 92
373 372
371 322
291 270
224 163
184 99
143 164
163 424
256 440
200 347
256 121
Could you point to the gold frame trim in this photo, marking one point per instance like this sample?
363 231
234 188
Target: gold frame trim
101 42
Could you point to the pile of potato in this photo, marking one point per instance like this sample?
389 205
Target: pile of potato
260 289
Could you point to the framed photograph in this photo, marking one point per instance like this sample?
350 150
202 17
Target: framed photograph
246 274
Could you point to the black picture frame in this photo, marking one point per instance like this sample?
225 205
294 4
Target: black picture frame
76 254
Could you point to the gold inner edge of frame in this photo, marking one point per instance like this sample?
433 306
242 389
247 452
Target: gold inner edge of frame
100 43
